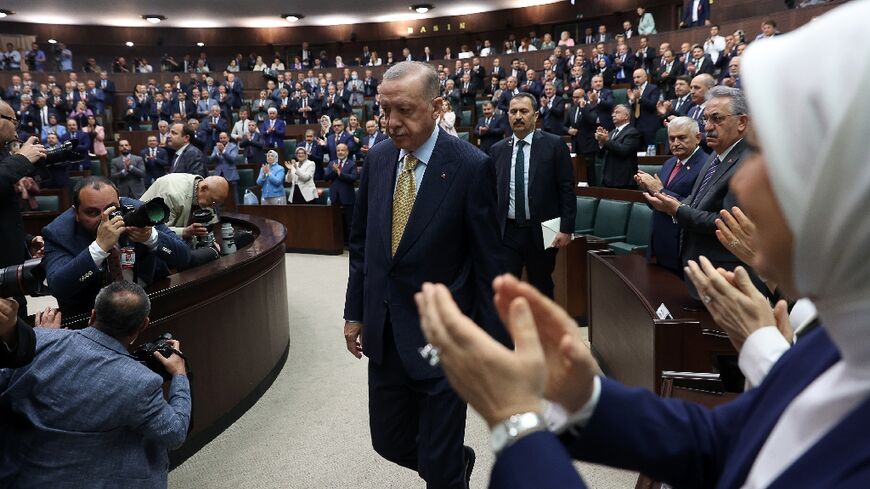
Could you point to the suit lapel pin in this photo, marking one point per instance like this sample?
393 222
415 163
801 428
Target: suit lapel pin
443 176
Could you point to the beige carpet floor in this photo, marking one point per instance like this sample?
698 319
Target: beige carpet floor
310 429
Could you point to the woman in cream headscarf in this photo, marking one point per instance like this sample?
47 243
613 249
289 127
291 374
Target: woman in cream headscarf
806 185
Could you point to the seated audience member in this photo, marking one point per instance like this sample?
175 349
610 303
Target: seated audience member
343 174
564 40
156 160
252 144
223 156
187 158
271 179
676 179
17 337
87 413
128 171
181 192
300 174
84 245
618 149
726 119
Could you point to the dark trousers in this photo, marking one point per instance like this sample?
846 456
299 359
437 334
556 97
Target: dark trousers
418 424
346 220
523 248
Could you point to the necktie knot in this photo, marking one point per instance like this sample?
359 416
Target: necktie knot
410 163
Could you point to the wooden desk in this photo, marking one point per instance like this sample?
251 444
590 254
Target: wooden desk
311 228
571 275
631 343
232 320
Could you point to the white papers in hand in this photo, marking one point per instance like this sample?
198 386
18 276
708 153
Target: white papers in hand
549 230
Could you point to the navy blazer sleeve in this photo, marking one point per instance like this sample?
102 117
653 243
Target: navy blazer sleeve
565 181
24 348
536 461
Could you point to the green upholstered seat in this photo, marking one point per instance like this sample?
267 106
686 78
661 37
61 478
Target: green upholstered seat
620 96
585 218
637 235
47 203
611 220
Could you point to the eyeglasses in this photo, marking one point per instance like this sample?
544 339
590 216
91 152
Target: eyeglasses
716 119
11 119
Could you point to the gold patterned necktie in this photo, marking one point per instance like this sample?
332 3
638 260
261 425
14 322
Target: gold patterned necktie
403 200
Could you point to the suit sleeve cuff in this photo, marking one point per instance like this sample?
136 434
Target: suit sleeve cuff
558 420
760 351
97 254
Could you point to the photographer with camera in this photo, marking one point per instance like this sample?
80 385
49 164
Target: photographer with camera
182 192
90 245
15 245
88 414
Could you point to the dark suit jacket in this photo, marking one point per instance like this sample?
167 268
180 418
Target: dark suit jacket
341 190
551 182
24 348
252 148
553 118
274 139
499 72
156 168
648 122
604 109
704 66
497 129
344 138
457 198
190 161
14 247
504 100
620 158
73 277
697 222
703 13
704 447
664 243
83 147
586 122
108 91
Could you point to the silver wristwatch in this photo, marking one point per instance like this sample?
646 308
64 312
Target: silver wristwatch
512 429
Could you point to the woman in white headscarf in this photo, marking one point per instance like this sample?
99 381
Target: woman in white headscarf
806 185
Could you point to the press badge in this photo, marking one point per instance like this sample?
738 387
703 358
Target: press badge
128 257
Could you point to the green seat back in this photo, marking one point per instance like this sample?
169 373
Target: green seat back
47 203
359 112
240 160
620 96
463 135
73 181
145 127
653 170
638 224
110 152
662 136
289 148
324 195
465 121
611 219
96 168
585 218
247 179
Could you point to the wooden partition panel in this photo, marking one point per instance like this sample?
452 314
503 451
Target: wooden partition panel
311 228
633 345
570 276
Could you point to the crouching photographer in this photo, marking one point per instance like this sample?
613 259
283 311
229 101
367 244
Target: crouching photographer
105 238
86 413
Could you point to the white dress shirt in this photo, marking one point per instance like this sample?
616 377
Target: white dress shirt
527 156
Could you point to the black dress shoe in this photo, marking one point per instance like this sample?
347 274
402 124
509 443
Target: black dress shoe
469 463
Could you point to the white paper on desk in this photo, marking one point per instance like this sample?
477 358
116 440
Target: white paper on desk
549 230
663 313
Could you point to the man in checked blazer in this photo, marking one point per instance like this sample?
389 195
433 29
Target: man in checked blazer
84 413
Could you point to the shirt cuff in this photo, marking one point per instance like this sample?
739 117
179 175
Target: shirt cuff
558 420
97 254
760 351
151 243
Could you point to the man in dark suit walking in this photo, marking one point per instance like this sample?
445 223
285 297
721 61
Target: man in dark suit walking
618 148
490 128
726 122
535 182
188 158
446 232
676 179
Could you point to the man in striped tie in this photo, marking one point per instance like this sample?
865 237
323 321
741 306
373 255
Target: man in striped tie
726 121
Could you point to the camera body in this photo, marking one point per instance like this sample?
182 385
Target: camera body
66 152
207 217
144 353
151 213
